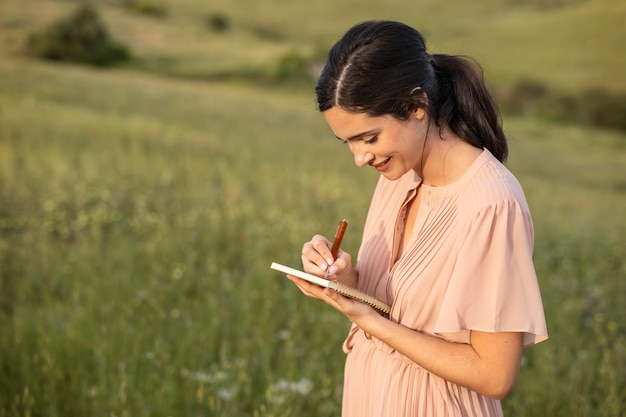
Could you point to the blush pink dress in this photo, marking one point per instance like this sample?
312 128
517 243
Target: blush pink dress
468 266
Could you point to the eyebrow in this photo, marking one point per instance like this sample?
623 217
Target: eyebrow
358 135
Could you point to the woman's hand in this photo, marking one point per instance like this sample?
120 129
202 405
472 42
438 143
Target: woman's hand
354 310
317 258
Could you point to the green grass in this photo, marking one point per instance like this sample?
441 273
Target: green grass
139 218
139 215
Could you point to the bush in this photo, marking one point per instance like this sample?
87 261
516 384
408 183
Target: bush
146 7
218 22
524 97
82 38
605 109
594 107
291 66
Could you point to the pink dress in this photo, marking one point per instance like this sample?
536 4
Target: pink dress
468 266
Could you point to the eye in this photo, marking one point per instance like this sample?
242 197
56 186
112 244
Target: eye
370 141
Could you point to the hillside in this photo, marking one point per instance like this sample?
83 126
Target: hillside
564 44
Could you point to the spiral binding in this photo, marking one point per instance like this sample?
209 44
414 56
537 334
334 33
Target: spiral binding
347 291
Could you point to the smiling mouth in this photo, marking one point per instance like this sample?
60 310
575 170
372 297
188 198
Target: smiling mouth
382 165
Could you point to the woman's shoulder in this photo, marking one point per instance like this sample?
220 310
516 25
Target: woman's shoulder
490 183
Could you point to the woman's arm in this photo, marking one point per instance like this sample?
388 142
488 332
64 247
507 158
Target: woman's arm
489 364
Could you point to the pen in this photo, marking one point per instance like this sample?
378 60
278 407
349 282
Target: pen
334 250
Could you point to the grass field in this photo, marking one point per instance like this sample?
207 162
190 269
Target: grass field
139 214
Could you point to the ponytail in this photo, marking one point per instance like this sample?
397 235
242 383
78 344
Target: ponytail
462 102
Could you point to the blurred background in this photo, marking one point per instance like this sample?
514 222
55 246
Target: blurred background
156 157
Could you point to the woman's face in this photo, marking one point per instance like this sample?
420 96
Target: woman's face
390 145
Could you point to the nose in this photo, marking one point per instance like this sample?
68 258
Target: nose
361 157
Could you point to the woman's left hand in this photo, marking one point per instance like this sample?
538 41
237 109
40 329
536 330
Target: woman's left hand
353 309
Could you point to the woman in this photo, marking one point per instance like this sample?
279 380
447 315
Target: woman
448 239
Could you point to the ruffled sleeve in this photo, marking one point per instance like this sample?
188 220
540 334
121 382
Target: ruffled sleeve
493 287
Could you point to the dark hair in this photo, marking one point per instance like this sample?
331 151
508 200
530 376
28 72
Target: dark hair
382 67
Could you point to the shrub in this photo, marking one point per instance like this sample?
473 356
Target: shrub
525 96
218 22
595 107
146 7
291 66
268 34
604 109
82 37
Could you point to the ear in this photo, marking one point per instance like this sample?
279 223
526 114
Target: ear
420 112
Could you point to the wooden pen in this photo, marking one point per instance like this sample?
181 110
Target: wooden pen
334 250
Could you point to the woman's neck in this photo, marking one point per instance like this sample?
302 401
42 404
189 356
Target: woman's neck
446 158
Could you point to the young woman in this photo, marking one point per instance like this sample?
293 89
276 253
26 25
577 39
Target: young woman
448 239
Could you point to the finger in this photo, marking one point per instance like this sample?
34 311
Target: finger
313 263
351 308
307 288
343 304
342 262
316 253
322 245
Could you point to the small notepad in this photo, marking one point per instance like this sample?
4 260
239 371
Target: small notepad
345 290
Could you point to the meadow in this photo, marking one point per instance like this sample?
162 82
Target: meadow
140 208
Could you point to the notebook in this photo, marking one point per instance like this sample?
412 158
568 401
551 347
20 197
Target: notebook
342 289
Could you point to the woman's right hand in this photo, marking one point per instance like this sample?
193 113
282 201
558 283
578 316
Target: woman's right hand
317 258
